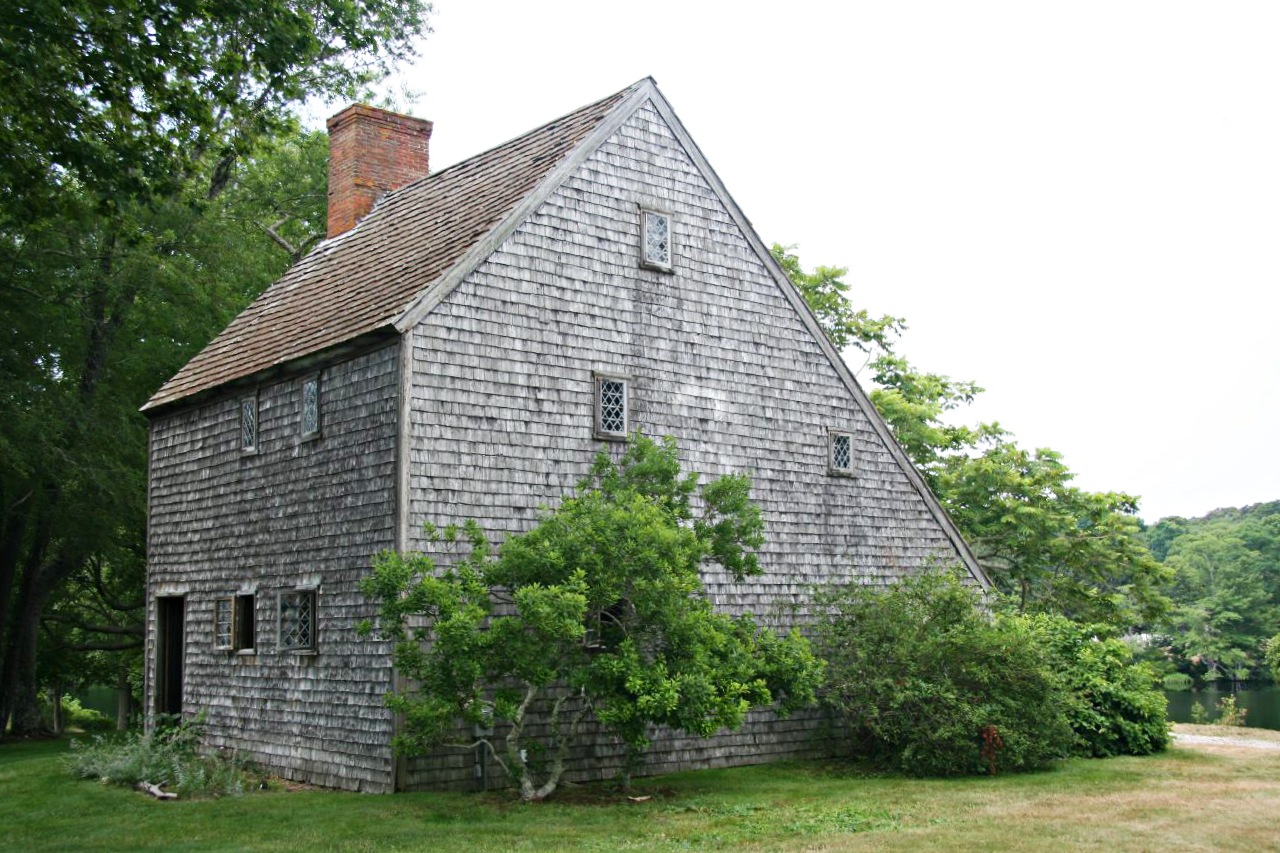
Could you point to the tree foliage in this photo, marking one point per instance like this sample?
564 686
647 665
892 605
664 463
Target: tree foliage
146 146
1226 589
597 614
1054 547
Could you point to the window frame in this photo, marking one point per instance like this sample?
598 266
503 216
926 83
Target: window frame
834 436
308 592
645 260
303 433
599 378
240 608
249 442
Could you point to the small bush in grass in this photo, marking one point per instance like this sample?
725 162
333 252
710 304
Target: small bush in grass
932 686
168 757
1229 712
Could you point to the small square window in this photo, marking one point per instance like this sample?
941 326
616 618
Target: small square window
298 620
655 239
840 455
248 424
612 403
310 421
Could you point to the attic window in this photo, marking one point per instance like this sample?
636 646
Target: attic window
655 238
612 403
840 453
310 421
249 424
298 620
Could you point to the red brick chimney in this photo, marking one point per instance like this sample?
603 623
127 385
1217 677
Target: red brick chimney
371 151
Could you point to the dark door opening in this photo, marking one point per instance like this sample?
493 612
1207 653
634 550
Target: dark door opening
170 641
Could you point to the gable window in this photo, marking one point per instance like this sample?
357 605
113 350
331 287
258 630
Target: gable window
233 628
840 458
612 403
249 424
310 422
655 239
298 620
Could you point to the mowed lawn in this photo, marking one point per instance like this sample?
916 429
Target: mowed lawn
1203 797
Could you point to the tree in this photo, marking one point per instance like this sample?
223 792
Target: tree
596 614
1054 547
96 322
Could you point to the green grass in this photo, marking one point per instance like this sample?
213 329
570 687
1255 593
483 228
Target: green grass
1186 799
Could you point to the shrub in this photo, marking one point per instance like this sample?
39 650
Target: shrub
1113 704
85 719
1177 681
168 757
931 685
1230 713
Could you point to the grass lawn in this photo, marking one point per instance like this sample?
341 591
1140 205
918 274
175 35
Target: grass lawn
1206 797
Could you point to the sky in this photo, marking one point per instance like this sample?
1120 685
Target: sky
1076 205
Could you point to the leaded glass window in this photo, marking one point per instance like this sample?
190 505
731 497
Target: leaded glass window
841 453
249 424
298 620
613 406
657 239
222 620
311 407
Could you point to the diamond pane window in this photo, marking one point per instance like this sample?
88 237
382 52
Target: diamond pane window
222 617
311 407
841 453
298 620
657 239
249 424
613 406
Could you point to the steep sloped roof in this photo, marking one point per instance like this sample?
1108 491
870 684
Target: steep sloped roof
361 281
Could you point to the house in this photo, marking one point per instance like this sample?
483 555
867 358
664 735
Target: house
461 346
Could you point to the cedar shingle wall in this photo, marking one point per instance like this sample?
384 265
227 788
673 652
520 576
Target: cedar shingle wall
295 513
502 401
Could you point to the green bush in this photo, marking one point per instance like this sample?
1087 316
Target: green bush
85 719
1178 681
919 674
168 757
1112 701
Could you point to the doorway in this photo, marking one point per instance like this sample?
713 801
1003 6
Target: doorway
170 647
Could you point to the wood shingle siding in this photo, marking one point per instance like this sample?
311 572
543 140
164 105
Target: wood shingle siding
298 513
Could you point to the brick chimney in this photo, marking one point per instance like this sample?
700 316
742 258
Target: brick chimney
371 151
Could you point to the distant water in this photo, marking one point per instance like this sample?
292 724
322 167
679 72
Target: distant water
1261 702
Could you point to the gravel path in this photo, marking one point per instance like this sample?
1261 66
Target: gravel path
1226 741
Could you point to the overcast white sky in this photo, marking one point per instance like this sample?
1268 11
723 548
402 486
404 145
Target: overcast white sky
1075 204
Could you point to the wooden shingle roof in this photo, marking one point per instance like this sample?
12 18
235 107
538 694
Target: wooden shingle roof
357 284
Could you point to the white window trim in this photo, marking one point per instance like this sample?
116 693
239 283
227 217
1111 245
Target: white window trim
315 606
598 380
645 213
302 404
832 436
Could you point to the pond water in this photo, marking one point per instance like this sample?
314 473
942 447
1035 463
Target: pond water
1261 703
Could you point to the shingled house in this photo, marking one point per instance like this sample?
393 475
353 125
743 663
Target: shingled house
460 347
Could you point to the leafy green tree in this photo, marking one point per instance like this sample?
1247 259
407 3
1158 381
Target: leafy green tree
597 613
99 321
1226 588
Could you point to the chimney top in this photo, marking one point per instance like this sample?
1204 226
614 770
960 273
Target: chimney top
371 151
